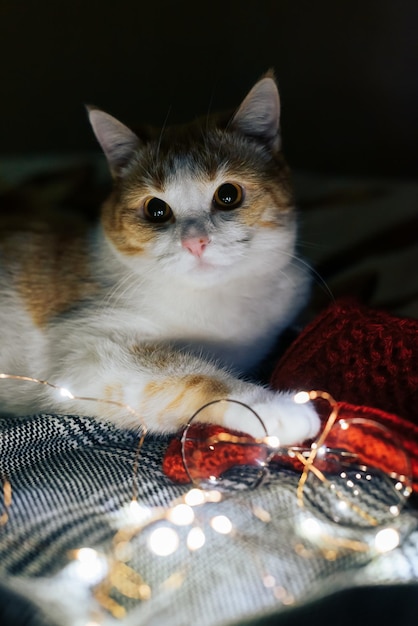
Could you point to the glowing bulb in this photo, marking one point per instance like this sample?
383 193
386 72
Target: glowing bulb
269 581
386 540
343 506
221 524
181 515
302 397
272 442
194 497
89 566
213 496
310 528
196 538
135 513
86 555
322 451
134 506
163 541
66 393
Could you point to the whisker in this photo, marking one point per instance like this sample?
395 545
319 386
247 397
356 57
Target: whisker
311 270
110 294
209 111
128 282
163 128
309 245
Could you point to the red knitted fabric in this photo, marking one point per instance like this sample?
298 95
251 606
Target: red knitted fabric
370 448
367 359
360 355
204 461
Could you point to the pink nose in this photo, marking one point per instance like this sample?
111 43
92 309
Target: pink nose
195 245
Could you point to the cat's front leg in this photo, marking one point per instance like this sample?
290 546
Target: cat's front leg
165 387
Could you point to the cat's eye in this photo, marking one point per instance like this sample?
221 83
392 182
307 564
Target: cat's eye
228 196
157 211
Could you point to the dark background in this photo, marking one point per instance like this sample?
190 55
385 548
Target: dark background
347 70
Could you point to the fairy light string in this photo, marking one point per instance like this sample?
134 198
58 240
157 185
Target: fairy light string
66 393
7 501
118 575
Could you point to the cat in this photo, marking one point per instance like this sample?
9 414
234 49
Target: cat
179 289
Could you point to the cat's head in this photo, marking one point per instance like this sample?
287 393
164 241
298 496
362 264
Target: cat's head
206 201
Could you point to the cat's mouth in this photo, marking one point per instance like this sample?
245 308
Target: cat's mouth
203 269
204 265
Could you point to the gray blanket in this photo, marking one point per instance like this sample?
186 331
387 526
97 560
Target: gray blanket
72 485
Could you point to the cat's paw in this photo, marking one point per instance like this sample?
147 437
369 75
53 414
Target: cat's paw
282 417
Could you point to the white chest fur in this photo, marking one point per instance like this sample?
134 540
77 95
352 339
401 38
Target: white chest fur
233 322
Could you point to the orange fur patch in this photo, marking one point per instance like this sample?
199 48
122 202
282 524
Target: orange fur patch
266 206
128 232
113 393
188 393
50 272
154 353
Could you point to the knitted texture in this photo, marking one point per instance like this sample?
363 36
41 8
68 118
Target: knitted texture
364 357
380 448
204 459
360 355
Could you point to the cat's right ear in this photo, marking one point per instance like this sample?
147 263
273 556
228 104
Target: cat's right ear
259 114
118 142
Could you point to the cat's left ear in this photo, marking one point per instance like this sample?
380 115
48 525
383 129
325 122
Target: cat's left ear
259 113
119 143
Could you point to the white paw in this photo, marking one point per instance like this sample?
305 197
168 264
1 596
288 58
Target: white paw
282 417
